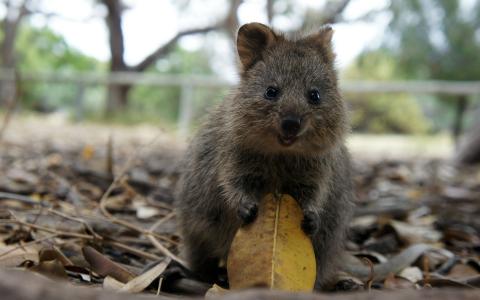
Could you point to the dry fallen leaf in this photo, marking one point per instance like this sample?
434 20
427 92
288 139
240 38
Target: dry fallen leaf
215 291
50 254
88 152
462 271
53 269
416 234
141 282
104 266
273 251
352 265
393 282
111 283
13 256
412 274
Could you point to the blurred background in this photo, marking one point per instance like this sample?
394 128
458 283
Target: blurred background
409 70
98 99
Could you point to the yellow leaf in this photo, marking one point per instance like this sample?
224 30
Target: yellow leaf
88 152
273 251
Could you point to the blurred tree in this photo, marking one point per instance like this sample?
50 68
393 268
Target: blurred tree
150 103
40 49
469 149
398 113
118 94
15 12
437 40
310 19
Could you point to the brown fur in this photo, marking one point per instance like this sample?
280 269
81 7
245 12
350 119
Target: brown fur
236 157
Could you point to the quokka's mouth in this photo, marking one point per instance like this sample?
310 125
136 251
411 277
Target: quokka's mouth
287 141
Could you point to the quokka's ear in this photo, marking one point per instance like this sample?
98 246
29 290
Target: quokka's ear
322 41
252 40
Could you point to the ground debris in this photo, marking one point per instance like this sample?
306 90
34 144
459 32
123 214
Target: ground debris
57 219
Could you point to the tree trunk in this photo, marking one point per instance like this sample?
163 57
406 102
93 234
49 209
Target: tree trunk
457 126
117 95
117 98
10 26
468 151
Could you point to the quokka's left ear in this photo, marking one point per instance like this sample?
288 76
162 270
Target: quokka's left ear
322 41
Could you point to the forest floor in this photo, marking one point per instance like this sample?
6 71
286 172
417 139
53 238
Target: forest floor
93 204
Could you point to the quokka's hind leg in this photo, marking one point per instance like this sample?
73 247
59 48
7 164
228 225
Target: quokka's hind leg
201 258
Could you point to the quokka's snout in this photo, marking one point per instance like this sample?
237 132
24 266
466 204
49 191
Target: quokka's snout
290 126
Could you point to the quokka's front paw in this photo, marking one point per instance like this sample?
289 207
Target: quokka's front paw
310 222
248 212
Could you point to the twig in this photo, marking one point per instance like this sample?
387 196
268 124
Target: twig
116 244
146 242
160 281
29 244
158 204
426 271
372 274
12 103
161 221
132 250
37 216
109 163
21 198
76 219
51 230
159 245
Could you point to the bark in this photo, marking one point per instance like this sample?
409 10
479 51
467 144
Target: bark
334 10
231 23
117 95
460 109
21 285
10 26
469 149
330 13
270 11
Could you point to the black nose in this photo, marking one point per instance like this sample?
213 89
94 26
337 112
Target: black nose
291 126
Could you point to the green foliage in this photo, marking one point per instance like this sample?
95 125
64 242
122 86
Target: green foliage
392 113
40 49
436 40
163 103
387 114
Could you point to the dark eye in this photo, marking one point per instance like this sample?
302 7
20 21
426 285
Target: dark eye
314 96
271 93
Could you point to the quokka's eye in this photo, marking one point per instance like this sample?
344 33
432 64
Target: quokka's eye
271 93
314 96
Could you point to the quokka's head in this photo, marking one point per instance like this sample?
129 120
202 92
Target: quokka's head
287 99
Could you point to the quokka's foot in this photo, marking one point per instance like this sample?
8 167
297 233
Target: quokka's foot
248 212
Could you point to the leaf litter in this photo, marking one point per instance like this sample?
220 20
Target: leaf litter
99 213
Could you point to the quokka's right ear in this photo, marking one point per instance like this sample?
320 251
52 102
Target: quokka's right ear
252 40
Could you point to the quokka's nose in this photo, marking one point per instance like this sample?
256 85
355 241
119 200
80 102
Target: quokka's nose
291 126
